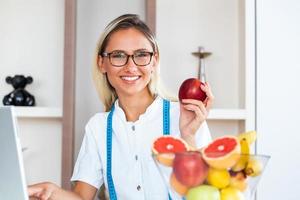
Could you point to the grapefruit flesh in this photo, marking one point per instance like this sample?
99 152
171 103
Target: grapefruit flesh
223 152
165 148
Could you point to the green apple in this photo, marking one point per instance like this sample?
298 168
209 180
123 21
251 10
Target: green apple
203 192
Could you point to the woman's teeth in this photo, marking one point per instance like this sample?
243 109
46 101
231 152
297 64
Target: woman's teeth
130 78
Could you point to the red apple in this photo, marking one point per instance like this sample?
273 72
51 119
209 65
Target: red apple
189 168
190 89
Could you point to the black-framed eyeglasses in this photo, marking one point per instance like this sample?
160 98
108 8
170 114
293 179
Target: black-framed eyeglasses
120 58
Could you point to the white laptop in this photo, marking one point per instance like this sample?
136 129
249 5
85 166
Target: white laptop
12 177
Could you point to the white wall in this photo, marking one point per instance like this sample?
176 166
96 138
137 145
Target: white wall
278 97
183 26
32 43
92 17
42 159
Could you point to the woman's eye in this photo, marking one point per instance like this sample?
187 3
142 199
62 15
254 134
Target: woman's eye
142 54
118 55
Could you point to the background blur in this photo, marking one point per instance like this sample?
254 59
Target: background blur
253 70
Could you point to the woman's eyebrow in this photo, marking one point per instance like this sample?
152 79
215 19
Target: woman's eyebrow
123 51
143 49
118 51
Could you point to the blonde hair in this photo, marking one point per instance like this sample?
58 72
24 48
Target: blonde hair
105 91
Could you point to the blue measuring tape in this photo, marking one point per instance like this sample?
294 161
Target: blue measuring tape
166 131
166 122
110 182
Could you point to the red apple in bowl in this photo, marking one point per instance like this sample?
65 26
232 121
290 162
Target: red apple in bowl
190 89
189 168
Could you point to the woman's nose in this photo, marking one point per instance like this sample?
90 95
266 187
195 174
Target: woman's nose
131 65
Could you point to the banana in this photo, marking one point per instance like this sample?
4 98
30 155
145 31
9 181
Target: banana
254 167
245 151
250 136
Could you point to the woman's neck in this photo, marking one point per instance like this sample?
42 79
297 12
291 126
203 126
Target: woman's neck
135 105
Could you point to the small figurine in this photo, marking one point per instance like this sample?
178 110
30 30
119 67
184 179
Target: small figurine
19 97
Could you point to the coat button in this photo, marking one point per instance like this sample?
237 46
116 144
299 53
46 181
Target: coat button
133 128
138 187
136 157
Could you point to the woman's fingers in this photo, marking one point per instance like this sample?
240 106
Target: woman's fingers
210 97
199 110
192 101
46 195
207 89
34 198
34 190
198 103
42 191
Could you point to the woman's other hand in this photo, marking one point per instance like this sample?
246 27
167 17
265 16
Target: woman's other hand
50 191
42 191
193 113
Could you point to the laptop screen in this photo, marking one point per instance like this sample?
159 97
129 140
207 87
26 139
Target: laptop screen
12 178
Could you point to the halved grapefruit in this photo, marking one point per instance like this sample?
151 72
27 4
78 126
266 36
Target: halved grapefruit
223 152
165 147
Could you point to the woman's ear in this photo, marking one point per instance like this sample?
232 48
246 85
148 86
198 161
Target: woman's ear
155 61
101 64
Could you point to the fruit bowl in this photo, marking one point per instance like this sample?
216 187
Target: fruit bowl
191 175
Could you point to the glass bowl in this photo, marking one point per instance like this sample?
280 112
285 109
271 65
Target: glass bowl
191 176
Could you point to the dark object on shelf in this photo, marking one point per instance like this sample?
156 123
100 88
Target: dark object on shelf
201 54
19 97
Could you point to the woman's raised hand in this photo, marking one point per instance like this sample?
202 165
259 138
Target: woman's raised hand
193 113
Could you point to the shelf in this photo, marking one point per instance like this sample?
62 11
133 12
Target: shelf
38 112
227 114
54 112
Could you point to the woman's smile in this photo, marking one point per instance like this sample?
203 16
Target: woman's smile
130 79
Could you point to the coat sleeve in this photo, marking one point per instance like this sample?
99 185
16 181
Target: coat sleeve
203 136
88 167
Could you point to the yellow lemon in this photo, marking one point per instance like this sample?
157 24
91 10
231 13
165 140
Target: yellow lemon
219 178
231 193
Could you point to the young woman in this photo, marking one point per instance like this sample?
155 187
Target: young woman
116 149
